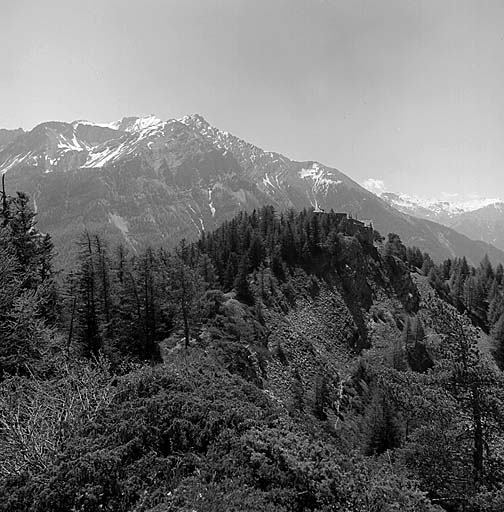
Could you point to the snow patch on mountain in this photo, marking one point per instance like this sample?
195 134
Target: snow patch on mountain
71 144
120 223
103 157
210 203
148 128
126 124
137 124
437 206
319 175
268 183
84 122
13 161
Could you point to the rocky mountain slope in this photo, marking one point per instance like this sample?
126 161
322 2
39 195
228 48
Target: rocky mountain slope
295 375
147 181
485 224
7 136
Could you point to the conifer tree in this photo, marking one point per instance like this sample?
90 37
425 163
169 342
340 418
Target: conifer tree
321 399
395 247
4 215
146 274
230 271
186 289
497 334
22 223
207 271
427 265
87 305
27 302
103 283
470 380
256 252
446 269
241 283
495 308
384 425
499 274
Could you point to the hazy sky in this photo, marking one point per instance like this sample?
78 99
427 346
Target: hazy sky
408 92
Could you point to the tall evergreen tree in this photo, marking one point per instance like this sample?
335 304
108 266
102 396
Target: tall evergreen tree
186 289
87 301
241 283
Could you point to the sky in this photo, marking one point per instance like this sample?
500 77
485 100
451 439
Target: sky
406 93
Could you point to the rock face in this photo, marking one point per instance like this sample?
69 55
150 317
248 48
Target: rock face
146 181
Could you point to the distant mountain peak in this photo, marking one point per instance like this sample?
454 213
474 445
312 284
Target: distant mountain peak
84 122
438 207
478 218
129 124
136 124
194 119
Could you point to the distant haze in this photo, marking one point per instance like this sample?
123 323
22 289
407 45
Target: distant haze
406 92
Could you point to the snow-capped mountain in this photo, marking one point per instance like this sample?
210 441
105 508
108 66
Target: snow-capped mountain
479 219
144 181
439 210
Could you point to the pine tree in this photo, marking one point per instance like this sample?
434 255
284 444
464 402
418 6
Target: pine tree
87 302
5 213
230 271
146 275
460 272
486 269
256 253
414 257
321 399
497 334
499 274
22 224
103 284
24 334
241 284
385 429
120 259
446 269
427 265
395 247
495 308
207 271
467 376
186 289
470 293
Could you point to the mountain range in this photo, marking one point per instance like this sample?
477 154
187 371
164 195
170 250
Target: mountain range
145 181
479 219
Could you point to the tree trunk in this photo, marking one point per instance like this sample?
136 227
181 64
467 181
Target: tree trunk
70 330
478 436
186 325
4 201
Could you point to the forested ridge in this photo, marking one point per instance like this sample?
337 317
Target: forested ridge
285 362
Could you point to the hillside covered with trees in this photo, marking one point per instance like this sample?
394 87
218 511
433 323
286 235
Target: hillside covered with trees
284 362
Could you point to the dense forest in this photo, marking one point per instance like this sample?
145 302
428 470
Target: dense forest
284 362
